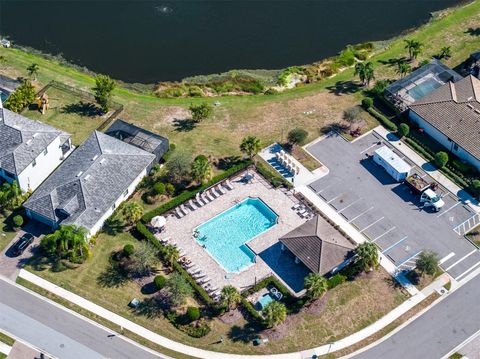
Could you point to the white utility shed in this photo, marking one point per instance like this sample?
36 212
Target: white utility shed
394 165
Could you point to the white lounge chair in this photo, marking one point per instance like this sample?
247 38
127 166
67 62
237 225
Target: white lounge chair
228 184
179 213
209 196
199 200
221 189
213 193
192 205
184 209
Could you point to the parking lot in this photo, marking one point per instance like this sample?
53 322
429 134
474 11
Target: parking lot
386 212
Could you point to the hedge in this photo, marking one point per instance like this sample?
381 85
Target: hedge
275 179
389 125
201 293
185 196
251 310
336 280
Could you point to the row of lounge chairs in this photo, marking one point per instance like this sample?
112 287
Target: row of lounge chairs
303 211
287 162
202 279
201 199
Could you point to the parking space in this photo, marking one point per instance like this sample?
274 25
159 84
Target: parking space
387 212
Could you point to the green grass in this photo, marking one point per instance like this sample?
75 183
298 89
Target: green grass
6 339
2 356
6 234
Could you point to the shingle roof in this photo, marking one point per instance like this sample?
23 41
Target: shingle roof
22 140
454 109
318 245
86 185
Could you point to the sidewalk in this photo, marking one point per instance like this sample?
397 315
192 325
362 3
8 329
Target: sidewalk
434 173
5 349
200 353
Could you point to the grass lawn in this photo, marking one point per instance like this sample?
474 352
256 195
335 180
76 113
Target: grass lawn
474 235
68 112
6 339
6 234
344 310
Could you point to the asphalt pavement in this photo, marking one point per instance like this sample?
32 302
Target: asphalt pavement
59 332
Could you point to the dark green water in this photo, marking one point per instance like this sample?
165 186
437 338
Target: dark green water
150 41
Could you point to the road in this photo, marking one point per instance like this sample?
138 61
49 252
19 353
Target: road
59 332
436 332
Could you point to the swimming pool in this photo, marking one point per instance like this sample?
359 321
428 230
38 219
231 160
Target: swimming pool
424 88
263 301
225 235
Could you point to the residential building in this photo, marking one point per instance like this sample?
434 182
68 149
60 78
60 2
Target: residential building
90 184
318 245
139 137
29 150
451 115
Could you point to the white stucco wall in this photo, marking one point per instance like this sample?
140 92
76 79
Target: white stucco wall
444 140
32 176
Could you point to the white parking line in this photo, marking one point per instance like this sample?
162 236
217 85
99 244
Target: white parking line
467 271
380 236
446 258
344 208
460 260
371 224
451 207
323 189
365 150
361 214
334 198
393 245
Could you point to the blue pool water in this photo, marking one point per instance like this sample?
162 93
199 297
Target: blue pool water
225 235
424 88
3 95
264 300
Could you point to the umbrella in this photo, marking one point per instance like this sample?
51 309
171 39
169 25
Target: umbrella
158 221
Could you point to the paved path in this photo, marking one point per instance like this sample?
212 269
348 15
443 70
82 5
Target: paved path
437 331
5 349
59 332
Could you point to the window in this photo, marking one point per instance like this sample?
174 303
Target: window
34 163
125 193
455 147
45 152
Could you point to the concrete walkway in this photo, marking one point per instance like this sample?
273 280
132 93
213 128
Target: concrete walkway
5 348
200 353
433 172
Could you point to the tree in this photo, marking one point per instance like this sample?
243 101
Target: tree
441 159
201 112
159 281
18 221
178 166
68 242
367 255
274 313
170 255
132 212
427 262
297 136
475 187
230 297
250 146
142 262
367 102
24 95
352 114
104 86
403 130
159 188
178 289
380 86
403 69
201 170
316 285
414 48
445 52
193 313
11 196
128 250
365 72
33 71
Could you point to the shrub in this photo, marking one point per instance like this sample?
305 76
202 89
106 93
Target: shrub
159 188
427 262
461 167
201 112
193 313
297 136
17 221
389 125
170 189
367 103
21 97
441 159
336 280
159 282
403 130
475 187
128 250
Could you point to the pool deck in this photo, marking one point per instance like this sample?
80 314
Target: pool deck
265 245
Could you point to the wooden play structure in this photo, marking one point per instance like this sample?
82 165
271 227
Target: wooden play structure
42 103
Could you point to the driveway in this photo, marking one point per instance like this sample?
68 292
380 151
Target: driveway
386 212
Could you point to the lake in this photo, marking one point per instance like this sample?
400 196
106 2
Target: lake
151 41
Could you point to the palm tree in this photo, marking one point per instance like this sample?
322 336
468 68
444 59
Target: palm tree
132 212
67 242
170 255
316 285
365 72
250 146
445 52
33 71
367 255
201 169
11 195
230 296
274 313
403 68
414 48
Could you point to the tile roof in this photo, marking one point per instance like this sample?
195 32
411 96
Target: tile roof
86 185
318 245
454 109
22 140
